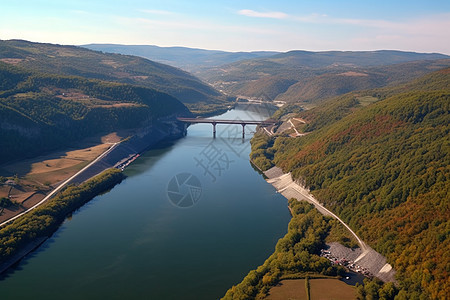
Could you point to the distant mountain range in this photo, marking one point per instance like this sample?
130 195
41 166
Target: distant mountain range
295 76
189 59
309 77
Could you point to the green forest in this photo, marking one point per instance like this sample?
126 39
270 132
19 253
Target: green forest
40 113
384 168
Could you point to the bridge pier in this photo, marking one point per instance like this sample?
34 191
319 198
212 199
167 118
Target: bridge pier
214 122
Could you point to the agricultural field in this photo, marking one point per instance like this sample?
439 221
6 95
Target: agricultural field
295 289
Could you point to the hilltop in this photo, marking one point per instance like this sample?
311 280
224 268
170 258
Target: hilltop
78 61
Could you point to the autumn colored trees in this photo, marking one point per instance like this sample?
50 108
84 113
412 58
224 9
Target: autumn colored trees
385 170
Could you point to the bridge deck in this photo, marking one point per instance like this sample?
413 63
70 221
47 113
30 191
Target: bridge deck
218 121
214 122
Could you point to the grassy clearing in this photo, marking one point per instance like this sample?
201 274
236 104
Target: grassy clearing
37 176
56 176
366 100
59 162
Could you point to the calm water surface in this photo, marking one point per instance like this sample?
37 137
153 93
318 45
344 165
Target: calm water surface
134 243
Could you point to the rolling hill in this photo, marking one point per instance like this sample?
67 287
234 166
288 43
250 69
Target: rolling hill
77 61
384 168
44 112
350 58
314 76
295 76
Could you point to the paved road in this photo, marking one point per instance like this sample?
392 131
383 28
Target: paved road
57 189
287 187
368 258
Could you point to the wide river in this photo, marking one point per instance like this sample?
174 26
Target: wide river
191 219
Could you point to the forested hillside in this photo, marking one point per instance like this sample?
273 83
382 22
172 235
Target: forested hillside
311 77
384 168
77 61
40 113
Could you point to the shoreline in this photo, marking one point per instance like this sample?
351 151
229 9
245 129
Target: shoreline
27 249
368 258
66 207
55 213
141 142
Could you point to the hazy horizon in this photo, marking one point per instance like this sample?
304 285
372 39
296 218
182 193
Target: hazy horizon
259 50
234 26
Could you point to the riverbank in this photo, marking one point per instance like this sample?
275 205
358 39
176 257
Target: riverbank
367 260
295 256
97 170
130 236
27 249
118 155
23 235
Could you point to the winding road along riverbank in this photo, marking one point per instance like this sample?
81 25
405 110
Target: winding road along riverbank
62 185
126 243
367 258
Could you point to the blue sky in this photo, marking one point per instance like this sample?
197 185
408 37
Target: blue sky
281 25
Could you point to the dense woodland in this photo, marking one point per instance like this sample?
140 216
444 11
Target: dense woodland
44 220
40 113
384 169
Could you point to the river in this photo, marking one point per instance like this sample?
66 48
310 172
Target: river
191 219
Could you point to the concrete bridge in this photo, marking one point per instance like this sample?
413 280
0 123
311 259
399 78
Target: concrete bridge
214 122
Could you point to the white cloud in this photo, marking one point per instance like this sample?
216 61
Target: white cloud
257 14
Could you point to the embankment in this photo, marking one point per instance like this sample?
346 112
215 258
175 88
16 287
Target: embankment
167 128
145 138
368 258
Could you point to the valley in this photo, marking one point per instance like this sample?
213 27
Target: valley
360 135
